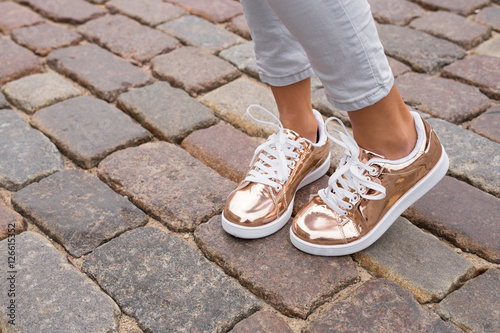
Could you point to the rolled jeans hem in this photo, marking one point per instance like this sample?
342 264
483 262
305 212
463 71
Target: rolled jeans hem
363 102
286 80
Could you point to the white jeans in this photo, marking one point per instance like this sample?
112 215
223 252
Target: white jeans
336 39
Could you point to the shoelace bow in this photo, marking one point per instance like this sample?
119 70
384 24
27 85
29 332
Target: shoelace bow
349 176
275 156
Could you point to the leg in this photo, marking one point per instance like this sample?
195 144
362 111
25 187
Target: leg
386 127
342 44
283 64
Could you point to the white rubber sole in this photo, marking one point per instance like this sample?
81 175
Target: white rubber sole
415 193
270 228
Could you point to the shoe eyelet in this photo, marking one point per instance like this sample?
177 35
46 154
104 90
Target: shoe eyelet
349 207
367 178
345 213
356 198
373 171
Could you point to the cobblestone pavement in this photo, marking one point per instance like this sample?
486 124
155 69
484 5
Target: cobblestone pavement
123 129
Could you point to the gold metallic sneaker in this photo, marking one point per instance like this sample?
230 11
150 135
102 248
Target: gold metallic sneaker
263 202
366 194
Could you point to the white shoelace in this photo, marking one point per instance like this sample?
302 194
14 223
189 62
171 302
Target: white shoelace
274 156
349 175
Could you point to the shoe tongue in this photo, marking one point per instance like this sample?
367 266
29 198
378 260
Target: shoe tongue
366 155
292 135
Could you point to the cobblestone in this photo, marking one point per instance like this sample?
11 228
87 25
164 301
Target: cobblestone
399 12
103 73
462 7
488 124
321 103
16 61
262 322
53 294
423 52
239 26
193 70
10 222
444 25
398 68
127 38
69 11
489 16
443 98
216 11
13 15
168 183
88 129
150 12
470 219
479 70
3 102
77 210
292 281
170 287
490 48
417 261
379 306
230 104
168 113
198 32
222 148
480 167
33 92
475 306
44 38
243 57
26 155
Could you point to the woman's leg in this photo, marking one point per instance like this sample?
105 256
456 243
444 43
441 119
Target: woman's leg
342 44
283 64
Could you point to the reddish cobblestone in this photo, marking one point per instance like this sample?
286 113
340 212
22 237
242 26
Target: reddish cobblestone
462 7
44 38
398 12
239 26
13 15
103 73
213 10
488 124
193 70
150 12
70 11
295 283
167 183
223 148
470 220
127 38
398 68
195 31
479 70
490 16
10 222
16 61
443 98
379 306
262 322
444 25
